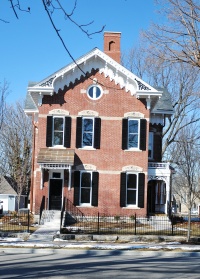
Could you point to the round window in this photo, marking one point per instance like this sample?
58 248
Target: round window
94 92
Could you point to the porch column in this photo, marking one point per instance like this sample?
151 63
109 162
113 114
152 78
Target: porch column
69 183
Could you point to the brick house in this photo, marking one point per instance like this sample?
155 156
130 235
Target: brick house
97 138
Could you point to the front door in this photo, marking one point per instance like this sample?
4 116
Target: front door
151 198
55 194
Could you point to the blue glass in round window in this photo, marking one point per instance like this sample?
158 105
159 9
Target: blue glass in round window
94 92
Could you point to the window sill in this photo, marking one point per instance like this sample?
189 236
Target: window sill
87 148
58 146
133 149
85 205
131 207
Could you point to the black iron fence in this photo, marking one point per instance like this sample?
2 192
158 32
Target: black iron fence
135 224
14 222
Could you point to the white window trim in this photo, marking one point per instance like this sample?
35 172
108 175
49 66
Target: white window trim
42 179
90 203
58 145
91 146
101 92
132 205
138 147
87 148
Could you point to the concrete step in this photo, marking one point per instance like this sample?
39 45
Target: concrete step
49 226
50 215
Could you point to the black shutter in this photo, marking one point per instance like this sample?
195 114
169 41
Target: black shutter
67 131
143 131
79 132
97 132
123 190
124 133
95 186
141 181
49 131
76 187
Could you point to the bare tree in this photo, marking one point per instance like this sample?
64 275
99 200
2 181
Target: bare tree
177 38
15 146
4 91
186 156
182 82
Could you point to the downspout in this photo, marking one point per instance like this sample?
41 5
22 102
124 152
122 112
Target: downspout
32 168
170 194
70 181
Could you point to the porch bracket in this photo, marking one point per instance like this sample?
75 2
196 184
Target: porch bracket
54 166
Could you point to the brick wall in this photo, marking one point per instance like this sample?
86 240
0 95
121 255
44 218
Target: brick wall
110 157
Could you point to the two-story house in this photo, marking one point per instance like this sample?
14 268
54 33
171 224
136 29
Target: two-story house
97 138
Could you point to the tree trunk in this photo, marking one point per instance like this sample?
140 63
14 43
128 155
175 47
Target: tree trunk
189 225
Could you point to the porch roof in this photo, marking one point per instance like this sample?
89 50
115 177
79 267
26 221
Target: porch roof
54 156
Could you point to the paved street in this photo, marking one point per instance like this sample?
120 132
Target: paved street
69 263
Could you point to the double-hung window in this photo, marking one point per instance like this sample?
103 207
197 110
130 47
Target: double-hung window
133 134
132 189
86 188
58 131
88 132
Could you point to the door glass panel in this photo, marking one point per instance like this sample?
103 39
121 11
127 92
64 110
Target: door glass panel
55 194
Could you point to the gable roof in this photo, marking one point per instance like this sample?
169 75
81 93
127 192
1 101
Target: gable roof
95 59
5 186
164 104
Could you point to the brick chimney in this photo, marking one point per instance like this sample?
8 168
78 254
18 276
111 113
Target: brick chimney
112 45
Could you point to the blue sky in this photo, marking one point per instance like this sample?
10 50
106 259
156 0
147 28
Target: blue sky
30 49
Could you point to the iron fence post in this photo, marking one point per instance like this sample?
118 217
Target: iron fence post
135 223
98 230
28 221
172 220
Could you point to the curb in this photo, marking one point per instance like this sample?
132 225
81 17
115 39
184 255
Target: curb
120 238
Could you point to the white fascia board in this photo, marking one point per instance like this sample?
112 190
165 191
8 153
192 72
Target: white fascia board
148 94
169 112
30 111
110 67
42 90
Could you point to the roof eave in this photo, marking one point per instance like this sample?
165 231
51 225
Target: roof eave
41 90
148 94
166 112
30 111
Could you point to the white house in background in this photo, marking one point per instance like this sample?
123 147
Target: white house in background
9 196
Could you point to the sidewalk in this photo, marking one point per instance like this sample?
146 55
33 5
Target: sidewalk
48 236
97 242
95 245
